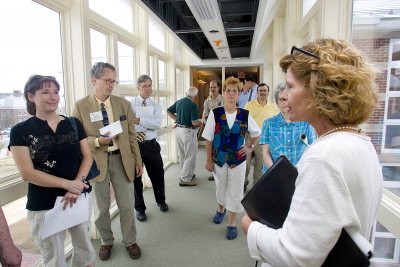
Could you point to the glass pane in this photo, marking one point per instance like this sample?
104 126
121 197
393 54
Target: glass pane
307 5
394 79
392 138
394 190
179 83
98 46
151 70
381 228
384 247
396 51
126 63
393 108
117 11
162 73
162 140
163 102
156 35
391 173
21 57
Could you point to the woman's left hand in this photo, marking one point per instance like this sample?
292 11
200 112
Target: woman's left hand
69 199
246 149
246 221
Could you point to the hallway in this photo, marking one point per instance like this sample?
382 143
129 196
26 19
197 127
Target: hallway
185 235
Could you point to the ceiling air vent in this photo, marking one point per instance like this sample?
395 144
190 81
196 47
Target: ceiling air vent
205 9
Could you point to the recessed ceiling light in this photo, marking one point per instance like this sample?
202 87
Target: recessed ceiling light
213 31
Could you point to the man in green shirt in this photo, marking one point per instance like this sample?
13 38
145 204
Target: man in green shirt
185 113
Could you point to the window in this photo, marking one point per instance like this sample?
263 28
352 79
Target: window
126 63
380 42
43 56
307 5
156 35
117 11
98 42
151 70
31 47
162 140
179 83
392 114
163 102
162 76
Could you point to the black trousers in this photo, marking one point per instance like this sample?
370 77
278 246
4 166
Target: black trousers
151 157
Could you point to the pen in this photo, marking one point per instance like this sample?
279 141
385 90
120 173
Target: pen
84 189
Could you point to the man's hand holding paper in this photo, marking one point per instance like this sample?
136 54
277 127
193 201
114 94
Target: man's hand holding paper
111 130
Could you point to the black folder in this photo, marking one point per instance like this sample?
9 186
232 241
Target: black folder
269 200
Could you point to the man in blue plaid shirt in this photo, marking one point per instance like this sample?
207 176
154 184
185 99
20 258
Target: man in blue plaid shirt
281 136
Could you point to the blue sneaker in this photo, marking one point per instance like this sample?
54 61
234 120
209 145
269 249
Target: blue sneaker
231 232
219 217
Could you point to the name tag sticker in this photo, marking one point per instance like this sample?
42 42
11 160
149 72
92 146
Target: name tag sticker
96 116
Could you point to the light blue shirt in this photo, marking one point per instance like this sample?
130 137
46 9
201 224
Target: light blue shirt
150 123
245 97
284 138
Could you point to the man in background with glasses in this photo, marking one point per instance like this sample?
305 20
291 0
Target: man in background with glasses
118 157
148 119
260 109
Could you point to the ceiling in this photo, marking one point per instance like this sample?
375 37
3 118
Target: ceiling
195 20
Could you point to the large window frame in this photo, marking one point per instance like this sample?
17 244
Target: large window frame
391 94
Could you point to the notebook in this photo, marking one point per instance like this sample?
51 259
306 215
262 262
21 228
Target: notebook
269 200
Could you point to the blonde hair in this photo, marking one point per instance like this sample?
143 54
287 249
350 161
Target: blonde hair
340 81
232 81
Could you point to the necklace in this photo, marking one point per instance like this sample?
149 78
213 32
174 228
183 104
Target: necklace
349 128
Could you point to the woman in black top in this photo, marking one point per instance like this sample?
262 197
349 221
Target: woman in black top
47 153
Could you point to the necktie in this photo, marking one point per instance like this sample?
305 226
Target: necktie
105 118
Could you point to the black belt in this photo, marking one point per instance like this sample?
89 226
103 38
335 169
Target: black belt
186 126
148 141
115 152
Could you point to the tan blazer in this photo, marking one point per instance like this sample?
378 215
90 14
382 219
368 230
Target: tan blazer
127 141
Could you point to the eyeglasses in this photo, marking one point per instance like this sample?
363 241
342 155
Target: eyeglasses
294 48
109 82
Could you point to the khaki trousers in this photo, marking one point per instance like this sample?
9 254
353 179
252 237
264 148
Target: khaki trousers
187 149
258 161
124 195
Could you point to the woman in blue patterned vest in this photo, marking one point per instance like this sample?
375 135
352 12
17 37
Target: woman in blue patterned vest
226 153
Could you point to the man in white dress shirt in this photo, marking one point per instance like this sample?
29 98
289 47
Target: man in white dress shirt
148 118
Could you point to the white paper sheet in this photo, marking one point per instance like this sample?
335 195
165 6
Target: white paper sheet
57 219
214 175
113 129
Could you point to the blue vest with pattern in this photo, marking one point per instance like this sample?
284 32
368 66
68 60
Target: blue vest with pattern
227 142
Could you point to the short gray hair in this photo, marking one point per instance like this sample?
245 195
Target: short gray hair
280 88
143 78
98 67
192 91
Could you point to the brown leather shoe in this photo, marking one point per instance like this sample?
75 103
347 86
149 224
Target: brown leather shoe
134 251
105 252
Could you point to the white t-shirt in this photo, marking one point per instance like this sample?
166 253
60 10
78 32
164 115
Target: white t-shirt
339 185
209 128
